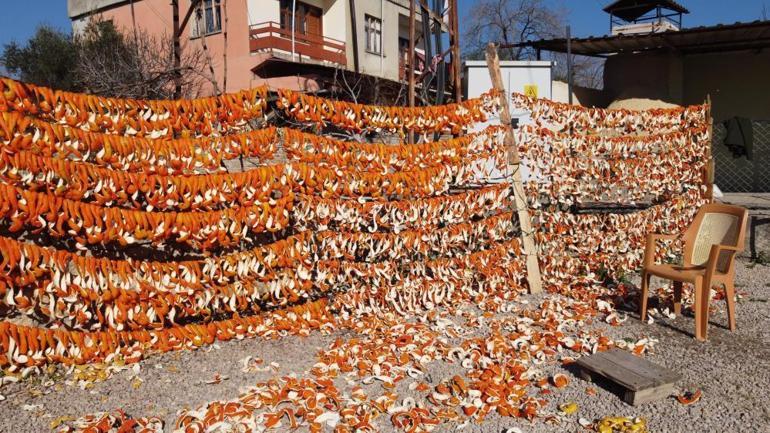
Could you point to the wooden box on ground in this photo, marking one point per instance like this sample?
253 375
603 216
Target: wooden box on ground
641 380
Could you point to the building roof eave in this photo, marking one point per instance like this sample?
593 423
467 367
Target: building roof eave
79 8
722 37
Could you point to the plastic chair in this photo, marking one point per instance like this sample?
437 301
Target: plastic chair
710 244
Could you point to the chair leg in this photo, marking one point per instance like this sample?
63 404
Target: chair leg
730 298
643 300
705 301
677 297
698 307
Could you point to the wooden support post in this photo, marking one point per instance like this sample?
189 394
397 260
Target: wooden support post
187 15
455 43
519 197
178 29
177 51
410 69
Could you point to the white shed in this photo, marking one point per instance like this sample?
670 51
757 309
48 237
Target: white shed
531 77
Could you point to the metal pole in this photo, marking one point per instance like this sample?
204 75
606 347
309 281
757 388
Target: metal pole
354 26
569 65
411 68
382 37
293 26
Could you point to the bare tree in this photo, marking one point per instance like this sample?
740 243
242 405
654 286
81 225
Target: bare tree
510 22
514 21
141 66
589 72
586 71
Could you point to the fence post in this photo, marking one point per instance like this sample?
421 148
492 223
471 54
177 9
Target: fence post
519 197
709 174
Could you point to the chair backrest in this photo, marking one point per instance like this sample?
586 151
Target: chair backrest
715 223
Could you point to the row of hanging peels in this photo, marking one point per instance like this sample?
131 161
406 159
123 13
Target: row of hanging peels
82 176
150 118
653 161
230 112
453 118
340 231
564 117
201 155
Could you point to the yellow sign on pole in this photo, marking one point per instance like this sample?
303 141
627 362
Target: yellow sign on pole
530 90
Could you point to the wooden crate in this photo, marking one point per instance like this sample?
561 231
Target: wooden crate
641 380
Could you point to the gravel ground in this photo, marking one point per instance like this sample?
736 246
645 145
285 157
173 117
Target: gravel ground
732 370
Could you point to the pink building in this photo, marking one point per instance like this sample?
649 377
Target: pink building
261 47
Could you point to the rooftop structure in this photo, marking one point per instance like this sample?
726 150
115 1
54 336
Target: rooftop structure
644 16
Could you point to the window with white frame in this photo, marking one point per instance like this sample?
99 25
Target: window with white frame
373 31
208 18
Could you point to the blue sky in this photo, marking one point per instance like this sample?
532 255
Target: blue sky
19 19
587 18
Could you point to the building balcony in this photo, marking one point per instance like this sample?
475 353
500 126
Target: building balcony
270 37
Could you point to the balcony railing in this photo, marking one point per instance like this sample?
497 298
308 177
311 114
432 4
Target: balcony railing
270 36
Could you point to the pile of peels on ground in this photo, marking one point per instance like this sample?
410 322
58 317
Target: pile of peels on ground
382 372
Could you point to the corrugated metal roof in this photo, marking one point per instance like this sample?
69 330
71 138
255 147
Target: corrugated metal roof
630 10
722 37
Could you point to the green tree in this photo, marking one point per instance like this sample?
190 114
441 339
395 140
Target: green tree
104 61
48 59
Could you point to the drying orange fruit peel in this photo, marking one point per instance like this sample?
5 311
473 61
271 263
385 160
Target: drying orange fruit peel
25 346
132 153
580 156
452 118
583 120
93 293
89 223
689 397
206 154
150 118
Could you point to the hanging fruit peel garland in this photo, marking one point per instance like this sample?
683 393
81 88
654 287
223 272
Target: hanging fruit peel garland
62 179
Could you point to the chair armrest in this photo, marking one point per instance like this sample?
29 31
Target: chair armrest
716 251
649 250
